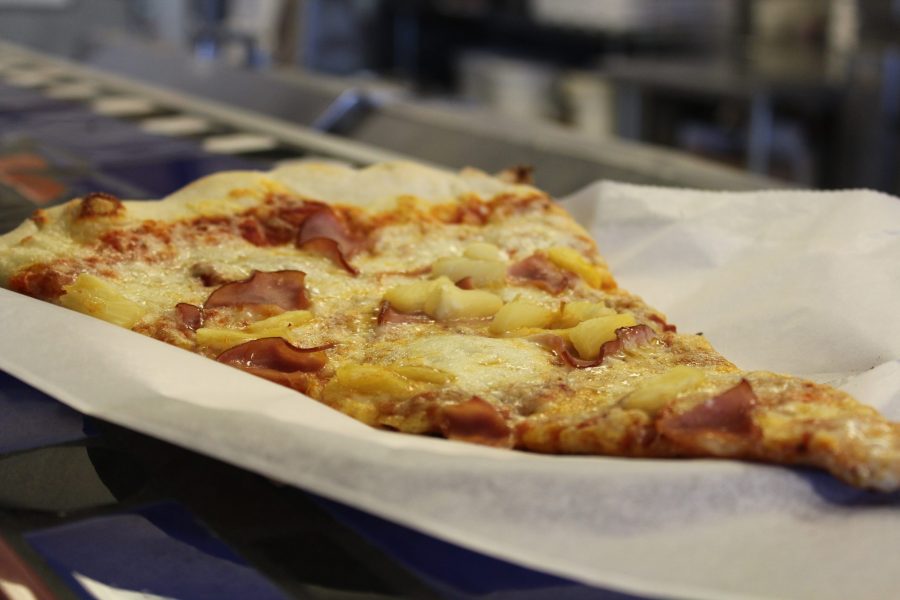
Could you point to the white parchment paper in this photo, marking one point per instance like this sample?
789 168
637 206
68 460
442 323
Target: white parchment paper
799 282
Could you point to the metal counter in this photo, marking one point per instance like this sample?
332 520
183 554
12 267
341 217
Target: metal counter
383 116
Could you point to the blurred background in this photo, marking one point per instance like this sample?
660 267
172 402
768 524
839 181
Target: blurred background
787 92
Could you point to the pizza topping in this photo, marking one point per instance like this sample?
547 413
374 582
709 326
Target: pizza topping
39 217
274 353
218 339
324 223
388 315
372 380
323 232
442 300
626 338
331 250
729 412
446 302
656 392
559 347
573 261
410 298
476 421
189 316
518 315
285 289
482 273
150 242
99 204
537 270
518 174
276 360
43 281
589 336
473 210
279 226
661 321
252 231
573 313
296 380
293 213
93 296
423 374
470 211
280 324
482 251
210 274
465 284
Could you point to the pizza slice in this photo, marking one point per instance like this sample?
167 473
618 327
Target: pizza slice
457 305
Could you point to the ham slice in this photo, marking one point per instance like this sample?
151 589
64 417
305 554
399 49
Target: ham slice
537 270
208 273
729 413
476 421
332 250
465 284
276 354
278 227
278 361
323 232
388 315
189 316
663 323
285 289
627 338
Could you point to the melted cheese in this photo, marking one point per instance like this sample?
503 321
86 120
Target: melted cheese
479 365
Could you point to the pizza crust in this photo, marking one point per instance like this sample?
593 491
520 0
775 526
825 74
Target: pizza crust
377 187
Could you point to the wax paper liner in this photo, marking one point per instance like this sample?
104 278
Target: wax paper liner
800 282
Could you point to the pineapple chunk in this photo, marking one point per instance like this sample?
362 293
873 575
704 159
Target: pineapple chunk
279 325
484 273
656 392
447 302
372 380
219 339
424 374
520 314
411 297
590 335
93 296
574 313
573 261
482 251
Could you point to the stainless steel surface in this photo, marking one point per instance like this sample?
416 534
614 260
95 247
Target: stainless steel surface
456 137
216 81
292 135
563 160
384 124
